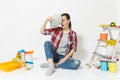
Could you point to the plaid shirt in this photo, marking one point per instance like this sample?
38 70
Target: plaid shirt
56 35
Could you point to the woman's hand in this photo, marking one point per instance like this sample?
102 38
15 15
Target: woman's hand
43 27
66 57
49 19
62 60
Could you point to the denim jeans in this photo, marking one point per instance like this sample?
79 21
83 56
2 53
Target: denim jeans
50 53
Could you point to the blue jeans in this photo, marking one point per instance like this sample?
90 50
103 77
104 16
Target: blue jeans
50 53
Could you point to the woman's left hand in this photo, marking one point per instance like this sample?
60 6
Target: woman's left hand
62 60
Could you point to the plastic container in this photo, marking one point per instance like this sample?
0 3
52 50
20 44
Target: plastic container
29 58
104 65
112 67
9 66
103 36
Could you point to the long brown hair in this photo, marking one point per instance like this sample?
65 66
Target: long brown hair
68 18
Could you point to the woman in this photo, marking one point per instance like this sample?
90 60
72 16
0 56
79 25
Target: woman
62 46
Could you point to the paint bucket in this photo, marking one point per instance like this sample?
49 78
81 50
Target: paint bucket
29 57
104 65
103 36
112 67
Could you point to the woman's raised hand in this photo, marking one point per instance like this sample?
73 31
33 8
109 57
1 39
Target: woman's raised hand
49 19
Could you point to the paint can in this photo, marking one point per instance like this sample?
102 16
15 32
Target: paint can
29 58
112 66
103 36
103 65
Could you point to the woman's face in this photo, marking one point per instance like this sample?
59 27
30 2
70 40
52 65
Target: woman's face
65 22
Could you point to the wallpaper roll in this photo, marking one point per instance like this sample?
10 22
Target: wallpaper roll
56 22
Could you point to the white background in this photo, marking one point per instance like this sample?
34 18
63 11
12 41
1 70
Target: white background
20 22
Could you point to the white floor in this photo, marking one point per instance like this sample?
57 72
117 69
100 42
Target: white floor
37 73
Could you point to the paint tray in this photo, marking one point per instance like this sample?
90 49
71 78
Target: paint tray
9 66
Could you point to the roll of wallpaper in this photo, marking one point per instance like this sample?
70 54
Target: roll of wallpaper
56 22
